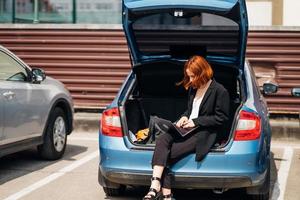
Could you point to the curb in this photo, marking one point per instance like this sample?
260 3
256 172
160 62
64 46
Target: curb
283 128
86 122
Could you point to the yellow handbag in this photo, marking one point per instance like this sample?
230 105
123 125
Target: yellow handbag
142 135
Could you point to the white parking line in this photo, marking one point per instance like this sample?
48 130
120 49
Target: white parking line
283 145
52 177
283 173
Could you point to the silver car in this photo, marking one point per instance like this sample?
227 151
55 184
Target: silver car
35 110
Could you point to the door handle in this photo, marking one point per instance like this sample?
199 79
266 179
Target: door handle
9 95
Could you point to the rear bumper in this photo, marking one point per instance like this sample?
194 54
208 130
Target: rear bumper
232 169
192 181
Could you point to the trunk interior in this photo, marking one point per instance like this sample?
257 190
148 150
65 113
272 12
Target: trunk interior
155 93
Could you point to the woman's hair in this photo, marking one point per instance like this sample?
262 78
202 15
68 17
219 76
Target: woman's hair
200 68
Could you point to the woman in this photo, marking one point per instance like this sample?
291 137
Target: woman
208 108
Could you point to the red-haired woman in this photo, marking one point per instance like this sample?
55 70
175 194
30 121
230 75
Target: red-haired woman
208 108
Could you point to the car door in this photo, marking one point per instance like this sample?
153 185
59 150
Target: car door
21 100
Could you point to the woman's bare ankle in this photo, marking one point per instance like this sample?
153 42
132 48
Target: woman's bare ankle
156 185
167 193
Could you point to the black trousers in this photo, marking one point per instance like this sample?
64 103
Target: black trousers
170 148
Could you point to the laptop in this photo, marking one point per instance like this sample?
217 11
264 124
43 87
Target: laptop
166 125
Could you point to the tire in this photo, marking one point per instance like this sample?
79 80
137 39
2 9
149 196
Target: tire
113 192
55 138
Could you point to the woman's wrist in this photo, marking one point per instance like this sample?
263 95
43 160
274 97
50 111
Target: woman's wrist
185 117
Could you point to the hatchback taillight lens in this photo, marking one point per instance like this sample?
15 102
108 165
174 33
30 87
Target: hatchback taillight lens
110 123
249 126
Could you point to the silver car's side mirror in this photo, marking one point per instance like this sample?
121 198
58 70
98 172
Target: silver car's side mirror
38 75
269 88
296 92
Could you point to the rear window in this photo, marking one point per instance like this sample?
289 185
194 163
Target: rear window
163 33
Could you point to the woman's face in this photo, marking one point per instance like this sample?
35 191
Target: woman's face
191 75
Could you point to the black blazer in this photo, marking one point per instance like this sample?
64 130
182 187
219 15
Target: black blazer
212 118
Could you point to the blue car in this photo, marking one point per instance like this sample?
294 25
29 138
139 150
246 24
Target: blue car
161 36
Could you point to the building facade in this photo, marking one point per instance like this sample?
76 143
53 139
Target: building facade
260 12
81 43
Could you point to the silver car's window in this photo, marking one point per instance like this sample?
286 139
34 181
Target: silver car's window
11 70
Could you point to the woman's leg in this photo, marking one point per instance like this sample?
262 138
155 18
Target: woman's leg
162 149
179 149
166 182
157 172
159 161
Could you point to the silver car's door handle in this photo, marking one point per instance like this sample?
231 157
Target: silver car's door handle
9 95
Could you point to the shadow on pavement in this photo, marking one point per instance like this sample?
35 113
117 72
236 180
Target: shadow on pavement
25 162
181 194
274 173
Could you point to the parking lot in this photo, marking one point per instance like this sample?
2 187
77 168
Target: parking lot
24 176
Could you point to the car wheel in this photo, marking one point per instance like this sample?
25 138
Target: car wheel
55 138
114 191
263 190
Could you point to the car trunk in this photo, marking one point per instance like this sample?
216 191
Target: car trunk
179 29
155 92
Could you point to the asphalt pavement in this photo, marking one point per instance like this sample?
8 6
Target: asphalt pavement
24 176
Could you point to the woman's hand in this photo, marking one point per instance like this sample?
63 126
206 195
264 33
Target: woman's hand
183 120
189 124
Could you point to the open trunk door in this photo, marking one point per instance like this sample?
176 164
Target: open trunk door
176 29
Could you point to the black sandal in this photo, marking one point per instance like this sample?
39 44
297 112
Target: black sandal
167 196
156 195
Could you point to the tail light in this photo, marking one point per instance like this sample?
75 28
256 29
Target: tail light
249 127
110 123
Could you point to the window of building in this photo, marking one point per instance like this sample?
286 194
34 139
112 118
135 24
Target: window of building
55 11
260 12
23 11
99 11
61 11
6 11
